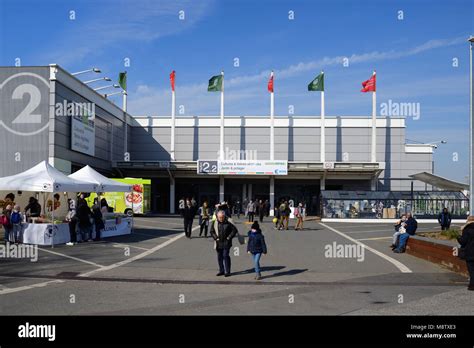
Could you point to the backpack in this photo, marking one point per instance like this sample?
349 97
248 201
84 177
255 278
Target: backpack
282 208
15 218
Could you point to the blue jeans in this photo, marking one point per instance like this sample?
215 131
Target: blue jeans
223 259
8 230
256 262
402 241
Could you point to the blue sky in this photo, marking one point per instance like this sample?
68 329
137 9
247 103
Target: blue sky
413 57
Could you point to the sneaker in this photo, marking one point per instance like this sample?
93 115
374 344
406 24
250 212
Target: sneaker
70 243
397 251
89 240
220 274
258 277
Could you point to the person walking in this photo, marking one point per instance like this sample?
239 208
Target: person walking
71 218
410 228
16 219
223 231
203 219
285 215
237 209
98 219
299 214
5 221
188 216
444 219
84 221
251 210
261 210
256 246
466 240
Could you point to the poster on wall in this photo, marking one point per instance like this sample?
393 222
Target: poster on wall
83 135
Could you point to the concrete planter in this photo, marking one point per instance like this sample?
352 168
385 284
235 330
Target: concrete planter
437 251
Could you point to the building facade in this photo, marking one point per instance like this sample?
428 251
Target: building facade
39 122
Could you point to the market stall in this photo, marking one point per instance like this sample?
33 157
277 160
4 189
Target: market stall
43 179
115 224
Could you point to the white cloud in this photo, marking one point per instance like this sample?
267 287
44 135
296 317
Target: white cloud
147 100
115 23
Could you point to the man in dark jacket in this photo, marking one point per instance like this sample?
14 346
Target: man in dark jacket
410 226
188 212
467 242
444 219
223 230
33 208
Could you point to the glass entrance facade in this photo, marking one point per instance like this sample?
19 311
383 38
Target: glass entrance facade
392 204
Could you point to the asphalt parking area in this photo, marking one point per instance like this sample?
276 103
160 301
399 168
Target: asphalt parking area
156 263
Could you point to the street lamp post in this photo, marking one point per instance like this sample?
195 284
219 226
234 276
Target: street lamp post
96 70
108 86
108 79
471 130
111 94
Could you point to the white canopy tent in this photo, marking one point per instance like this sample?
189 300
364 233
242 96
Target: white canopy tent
104 184
44 178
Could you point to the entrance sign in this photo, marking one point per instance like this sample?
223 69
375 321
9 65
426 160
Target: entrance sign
242 167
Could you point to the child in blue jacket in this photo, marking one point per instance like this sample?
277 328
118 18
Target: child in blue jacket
256 246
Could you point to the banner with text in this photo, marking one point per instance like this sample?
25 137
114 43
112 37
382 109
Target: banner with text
83 135
242 167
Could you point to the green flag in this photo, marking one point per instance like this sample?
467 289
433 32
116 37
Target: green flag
215 84
122 80
317 84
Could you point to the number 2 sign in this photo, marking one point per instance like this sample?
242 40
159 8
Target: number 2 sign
21 104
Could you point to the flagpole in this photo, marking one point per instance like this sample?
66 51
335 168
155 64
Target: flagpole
124 108
173 122
221 152
272 123
323 127
374 125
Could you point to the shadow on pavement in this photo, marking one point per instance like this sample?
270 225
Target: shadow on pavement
262 269
285 273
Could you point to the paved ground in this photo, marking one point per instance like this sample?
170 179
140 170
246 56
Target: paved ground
158 271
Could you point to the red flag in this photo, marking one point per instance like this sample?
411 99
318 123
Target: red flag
369 85
270 83
172 76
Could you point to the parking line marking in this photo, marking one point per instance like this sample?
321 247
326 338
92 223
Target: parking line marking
376 238
28 287
71 257
136 257
120 245
396 263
